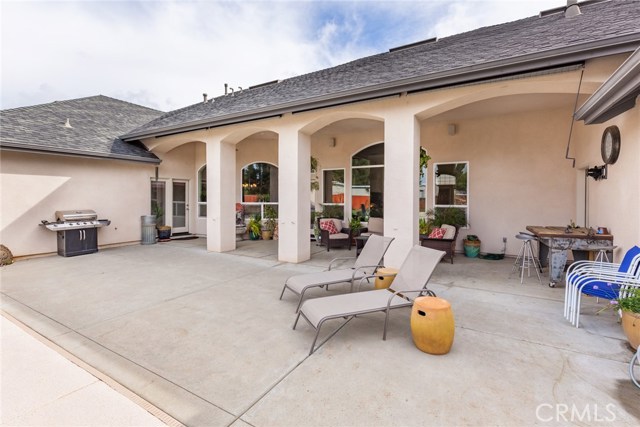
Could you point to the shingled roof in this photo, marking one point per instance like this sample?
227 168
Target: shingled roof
95 124
536 43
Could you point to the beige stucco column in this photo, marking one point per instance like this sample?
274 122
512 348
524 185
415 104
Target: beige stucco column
294 151
401 158
221 184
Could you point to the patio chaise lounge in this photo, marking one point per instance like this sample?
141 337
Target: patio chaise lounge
365 266
411 282
599 279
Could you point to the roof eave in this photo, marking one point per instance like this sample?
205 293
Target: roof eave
547 59
616 95
75 153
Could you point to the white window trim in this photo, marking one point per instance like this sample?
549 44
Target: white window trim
433 188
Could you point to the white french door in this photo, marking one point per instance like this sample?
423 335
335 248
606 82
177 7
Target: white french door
180 207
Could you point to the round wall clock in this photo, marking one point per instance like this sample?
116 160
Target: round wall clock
610 145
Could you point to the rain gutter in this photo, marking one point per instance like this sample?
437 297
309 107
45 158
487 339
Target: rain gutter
75 153
616 95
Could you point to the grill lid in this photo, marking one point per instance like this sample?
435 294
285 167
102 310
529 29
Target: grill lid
76 215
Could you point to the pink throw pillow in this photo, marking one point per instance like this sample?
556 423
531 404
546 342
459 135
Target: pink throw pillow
437 233
328 225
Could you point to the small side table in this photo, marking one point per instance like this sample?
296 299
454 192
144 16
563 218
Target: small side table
385 276
432 325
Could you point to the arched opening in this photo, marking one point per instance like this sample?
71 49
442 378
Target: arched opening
367 182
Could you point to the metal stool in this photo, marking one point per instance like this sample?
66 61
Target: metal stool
526 257
602 253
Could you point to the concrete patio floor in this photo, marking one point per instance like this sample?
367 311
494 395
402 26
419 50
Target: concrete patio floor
204 338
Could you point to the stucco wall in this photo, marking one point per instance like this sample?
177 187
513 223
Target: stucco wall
518 174
34 186
182 163
339 157
613 202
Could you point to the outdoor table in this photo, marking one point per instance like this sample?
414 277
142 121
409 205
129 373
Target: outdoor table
555 242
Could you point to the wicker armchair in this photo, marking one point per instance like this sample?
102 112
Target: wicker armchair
343 238
446 245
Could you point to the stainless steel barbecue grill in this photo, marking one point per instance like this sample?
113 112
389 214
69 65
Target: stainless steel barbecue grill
77 231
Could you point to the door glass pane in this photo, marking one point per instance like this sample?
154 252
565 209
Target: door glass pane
179 204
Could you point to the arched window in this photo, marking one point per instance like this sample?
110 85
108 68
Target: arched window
422 181
202 192
260 183
367 182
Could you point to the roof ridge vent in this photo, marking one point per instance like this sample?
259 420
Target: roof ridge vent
572 9
419 43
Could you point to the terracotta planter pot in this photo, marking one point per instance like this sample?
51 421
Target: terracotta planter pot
631 327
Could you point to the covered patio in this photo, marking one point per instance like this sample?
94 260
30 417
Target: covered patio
204 337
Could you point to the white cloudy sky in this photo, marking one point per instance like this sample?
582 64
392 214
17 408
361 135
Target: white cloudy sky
164 54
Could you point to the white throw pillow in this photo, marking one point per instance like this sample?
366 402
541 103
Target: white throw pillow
451 231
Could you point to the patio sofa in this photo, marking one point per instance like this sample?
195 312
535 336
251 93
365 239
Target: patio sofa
333 233
446 243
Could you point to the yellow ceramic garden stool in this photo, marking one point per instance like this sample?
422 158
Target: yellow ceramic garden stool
384 277
432 325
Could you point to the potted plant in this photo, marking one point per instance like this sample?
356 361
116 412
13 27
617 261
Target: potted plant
628 305
254 226
269 225
164 231
452 216
316 230
471 245
355 225
423 227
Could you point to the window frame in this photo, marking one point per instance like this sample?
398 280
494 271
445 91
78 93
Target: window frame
434 187
202 205
322 185
354 167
